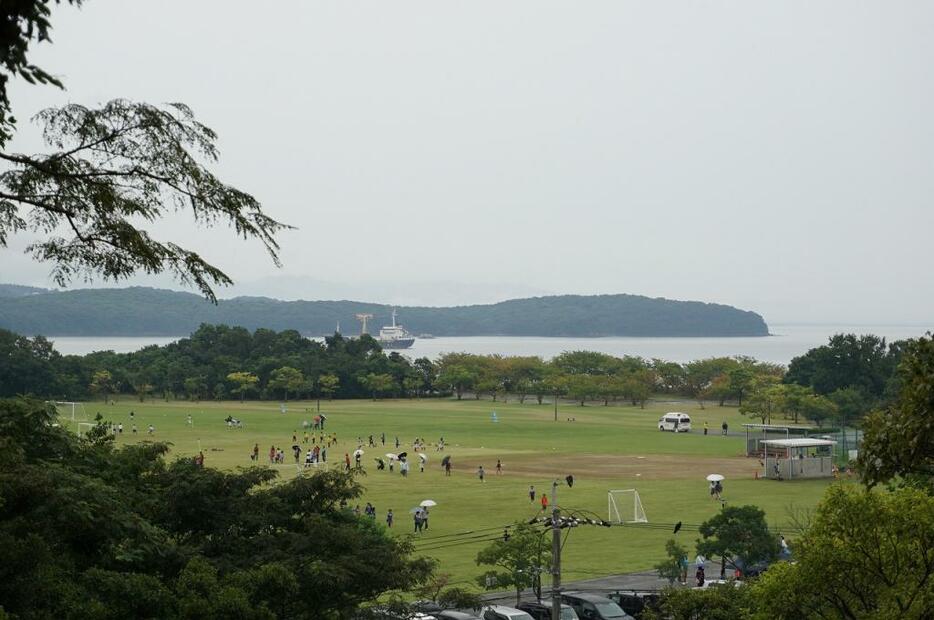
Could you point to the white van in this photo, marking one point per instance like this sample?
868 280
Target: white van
675 421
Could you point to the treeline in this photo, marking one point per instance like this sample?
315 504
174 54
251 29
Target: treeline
140 311
843 379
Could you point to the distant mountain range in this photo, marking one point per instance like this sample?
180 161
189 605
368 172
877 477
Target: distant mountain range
139 311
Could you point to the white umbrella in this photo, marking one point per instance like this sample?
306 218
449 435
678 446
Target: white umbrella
391 456
429 502
358 452
423 456
714 477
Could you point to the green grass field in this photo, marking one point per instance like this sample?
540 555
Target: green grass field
604 448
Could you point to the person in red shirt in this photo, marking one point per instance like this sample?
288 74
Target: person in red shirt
544 502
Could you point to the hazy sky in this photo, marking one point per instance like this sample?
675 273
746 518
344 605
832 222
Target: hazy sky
777 156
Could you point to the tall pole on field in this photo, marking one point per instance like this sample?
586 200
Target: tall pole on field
555 552
556 406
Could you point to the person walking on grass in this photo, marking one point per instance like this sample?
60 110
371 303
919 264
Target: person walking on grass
447 467
544 502
724 427
499 467
389 518
346 462
531 493
481 474
705 428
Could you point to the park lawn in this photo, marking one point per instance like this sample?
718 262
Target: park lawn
615 447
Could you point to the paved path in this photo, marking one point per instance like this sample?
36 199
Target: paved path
641 581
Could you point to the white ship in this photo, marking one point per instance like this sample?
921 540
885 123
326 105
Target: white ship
395 336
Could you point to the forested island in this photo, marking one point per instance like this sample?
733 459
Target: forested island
138 311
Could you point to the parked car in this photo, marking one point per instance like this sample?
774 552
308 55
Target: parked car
542 610
635 603
675 421
452 614
594 607
716 583
501 612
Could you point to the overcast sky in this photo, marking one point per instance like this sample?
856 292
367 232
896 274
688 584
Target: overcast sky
777 156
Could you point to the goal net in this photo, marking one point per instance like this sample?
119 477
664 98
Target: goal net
71 411
84 427
625 506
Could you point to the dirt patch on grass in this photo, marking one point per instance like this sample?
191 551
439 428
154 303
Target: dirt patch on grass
649 467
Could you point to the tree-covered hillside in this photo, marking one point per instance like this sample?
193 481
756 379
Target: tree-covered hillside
154 312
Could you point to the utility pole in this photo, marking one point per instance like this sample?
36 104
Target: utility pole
556 405
555 549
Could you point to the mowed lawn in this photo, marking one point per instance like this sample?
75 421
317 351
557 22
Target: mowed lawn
615 447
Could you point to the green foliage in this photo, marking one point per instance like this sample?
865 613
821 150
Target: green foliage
21 23
865 363
91 530
116 166
517 561
865 554
740 535
899 441
244 381
287 379
715 603
672 567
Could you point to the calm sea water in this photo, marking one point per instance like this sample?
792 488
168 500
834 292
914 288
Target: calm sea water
788 342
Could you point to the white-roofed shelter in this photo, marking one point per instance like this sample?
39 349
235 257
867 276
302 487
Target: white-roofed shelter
757 433
803 457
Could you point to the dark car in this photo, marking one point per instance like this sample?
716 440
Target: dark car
635 603
450 614
542 610
594 607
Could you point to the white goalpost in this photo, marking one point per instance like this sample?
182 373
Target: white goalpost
72 409
620 502
84 427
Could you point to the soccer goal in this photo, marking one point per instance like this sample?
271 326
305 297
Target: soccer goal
74 411
619 504
84 427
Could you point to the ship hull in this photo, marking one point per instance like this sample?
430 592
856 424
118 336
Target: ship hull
398 343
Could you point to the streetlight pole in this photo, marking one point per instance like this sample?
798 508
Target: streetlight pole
555 549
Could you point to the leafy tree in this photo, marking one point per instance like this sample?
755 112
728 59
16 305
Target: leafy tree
517 561
719 389
714 603
741 381
195 387
763 401
740 536
287 379
852 403
863 362
244 381
114 166
457 378
147 538
102 383
670 567
899 441
379 384
329 384
21 23
865 554
819 408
